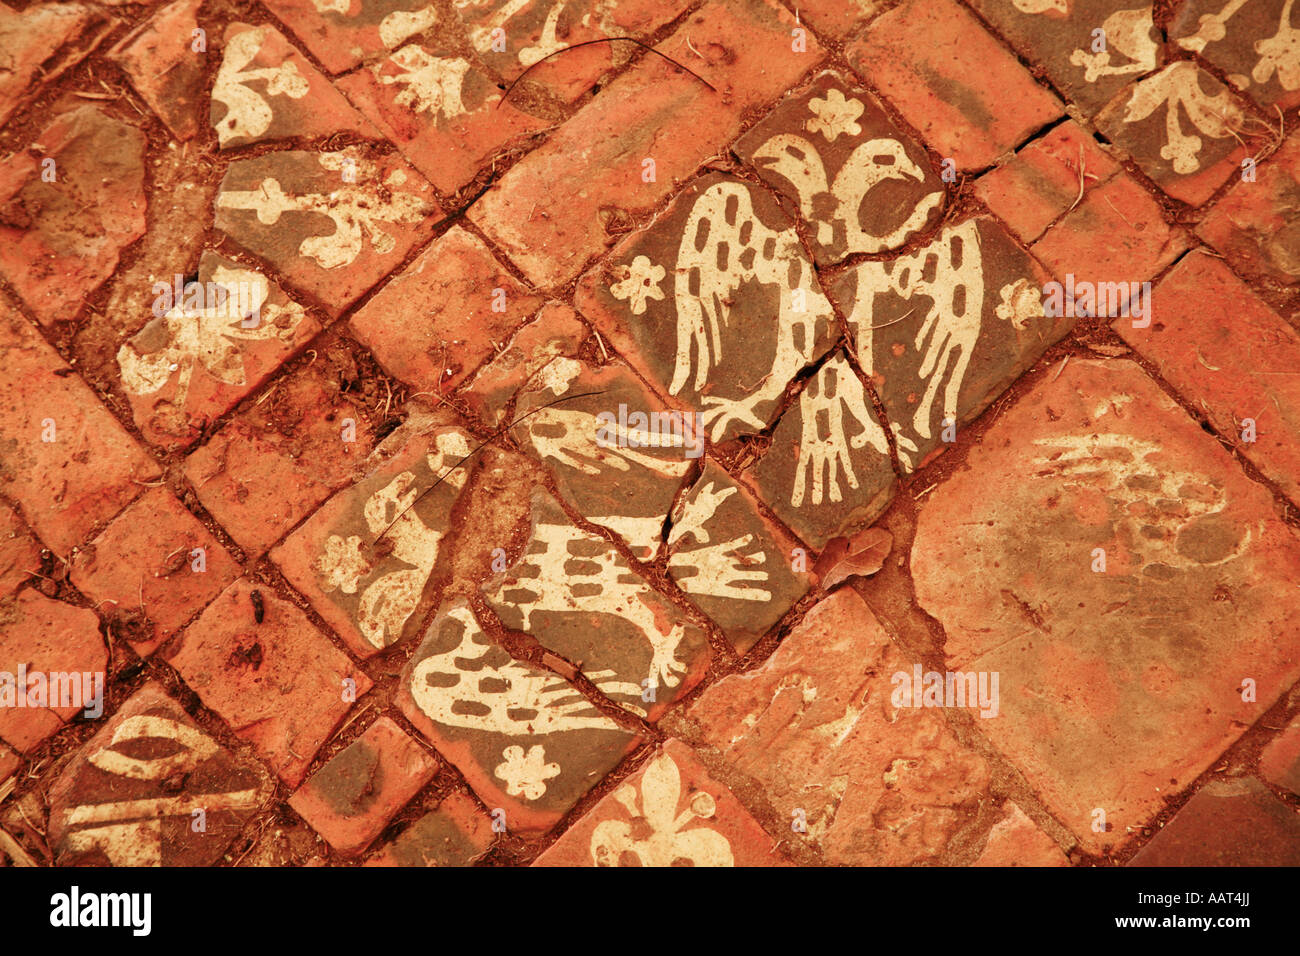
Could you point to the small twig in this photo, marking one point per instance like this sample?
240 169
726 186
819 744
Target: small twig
1065 362
573 46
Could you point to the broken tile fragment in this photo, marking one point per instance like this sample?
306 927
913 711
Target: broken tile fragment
457 833
152 788
42 42
528 743
1279 762
343 33
1015 840
1254 44
206 347
735 565
1227 823
578 596
160 58
69 205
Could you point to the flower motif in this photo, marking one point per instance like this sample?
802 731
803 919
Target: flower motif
640 282
1021 302
834 115
526 774
342 566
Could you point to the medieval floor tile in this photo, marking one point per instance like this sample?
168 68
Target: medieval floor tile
290 99
1279 764
1227 823
861 184
951 80
68 463
270 467
164 67
433 324
9 763
277 681
839 18
818 733
742 313
828 470
208 346
20 552
352 797
528 743
343 33
334 223
512 36
1117 234
1015 840
618 456
1257 224
1146 120
577 595
1046 179
41 42
155 558
442 110
1230 355
366 560
52 662
1132 587
555 332
567 200
735 565
1089 49
668 813
1257 45
69 205
944 330
152 789
457 833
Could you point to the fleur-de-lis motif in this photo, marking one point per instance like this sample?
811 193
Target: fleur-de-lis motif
355 209
1174 86
432 84
247 113
672 835
209 337
1127 32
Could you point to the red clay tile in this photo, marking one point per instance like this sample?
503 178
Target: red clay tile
63 226
1232 356
9 763
1015 840
1113 564
671 812
155 557
271 466
1257 224
68 463
1279 763
20 552
457 833
443 111
450 309
1227 823
969 98
164 67
343 33
277 682
568 199
1253 44
44 638
352 797
817 732
41 42
1046 179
